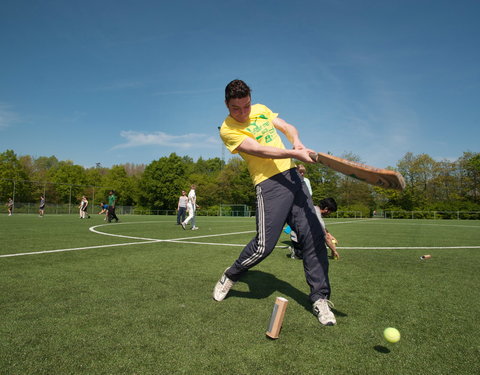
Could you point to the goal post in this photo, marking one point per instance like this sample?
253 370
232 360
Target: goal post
234 210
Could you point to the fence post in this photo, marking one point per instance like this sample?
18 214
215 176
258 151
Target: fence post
13 197
70 201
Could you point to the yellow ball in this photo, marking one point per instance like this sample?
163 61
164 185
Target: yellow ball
391 334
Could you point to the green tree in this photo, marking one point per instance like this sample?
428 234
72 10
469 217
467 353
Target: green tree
419 172
235 184
69 183
162 181
444 183
97 189
324 181
354 194
13 178
42 165
205 175
471 165
431 185
209 166
124 186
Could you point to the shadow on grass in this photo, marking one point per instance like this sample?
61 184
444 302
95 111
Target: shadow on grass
381 349
262 285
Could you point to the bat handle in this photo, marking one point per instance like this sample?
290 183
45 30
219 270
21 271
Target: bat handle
314 156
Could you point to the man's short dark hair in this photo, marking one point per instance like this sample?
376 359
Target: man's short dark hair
236 89
328 203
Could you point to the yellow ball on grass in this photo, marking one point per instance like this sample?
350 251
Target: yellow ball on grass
391 334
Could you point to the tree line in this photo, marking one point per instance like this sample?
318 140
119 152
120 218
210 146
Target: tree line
430 185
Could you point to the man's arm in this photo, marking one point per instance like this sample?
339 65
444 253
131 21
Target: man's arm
290 132
329 239
299 152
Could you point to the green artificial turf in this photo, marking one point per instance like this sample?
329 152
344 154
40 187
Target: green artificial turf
146 308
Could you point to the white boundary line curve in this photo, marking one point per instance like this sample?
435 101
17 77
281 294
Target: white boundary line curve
143 240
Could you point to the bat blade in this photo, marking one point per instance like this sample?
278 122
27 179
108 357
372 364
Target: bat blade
380 177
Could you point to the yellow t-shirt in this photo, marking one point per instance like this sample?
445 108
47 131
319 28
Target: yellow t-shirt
260 128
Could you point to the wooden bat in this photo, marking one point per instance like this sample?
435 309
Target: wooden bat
276 320
380 177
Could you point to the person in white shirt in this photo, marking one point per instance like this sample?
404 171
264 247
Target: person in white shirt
182 207
302 170
191 209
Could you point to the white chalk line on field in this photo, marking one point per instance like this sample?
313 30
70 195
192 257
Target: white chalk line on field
93 229
187 240
143 240
75 249
426 224
405 247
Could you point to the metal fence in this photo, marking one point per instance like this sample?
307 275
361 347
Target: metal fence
72 208
58 195
63 209
435 215
69 208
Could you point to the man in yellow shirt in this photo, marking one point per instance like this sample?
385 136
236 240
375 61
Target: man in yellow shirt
282 197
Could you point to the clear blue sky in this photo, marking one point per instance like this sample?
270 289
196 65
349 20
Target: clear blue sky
116 82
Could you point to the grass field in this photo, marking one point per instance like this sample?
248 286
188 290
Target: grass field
90 303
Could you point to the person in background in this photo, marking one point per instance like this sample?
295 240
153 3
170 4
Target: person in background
182 207
41 209
103 208
191 208
324 208
302 170
293 236
112 200
10 206
83 208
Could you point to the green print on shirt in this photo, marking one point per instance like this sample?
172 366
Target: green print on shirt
264 130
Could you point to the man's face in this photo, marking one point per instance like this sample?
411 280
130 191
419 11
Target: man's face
325 211
240 108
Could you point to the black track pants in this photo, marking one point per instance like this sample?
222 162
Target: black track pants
281 199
